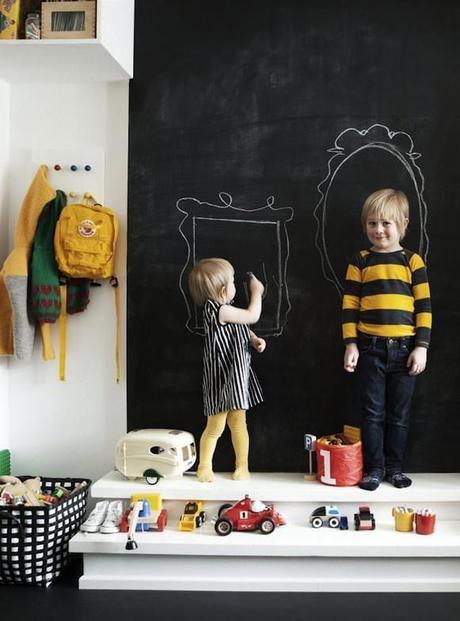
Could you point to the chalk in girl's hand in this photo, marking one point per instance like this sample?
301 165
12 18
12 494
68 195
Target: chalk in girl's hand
247 277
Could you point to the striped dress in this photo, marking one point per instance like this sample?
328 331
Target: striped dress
229 383
387 294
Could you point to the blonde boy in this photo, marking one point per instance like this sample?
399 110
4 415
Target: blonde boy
386 325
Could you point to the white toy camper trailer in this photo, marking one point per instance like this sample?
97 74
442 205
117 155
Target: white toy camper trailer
155 453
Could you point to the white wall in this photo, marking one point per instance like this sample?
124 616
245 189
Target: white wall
70 428
4 148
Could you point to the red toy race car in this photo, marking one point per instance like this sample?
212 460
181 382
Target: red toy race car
247 514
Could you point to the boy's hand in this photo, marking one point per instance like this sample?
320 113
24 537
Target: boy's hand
416 362
255 286
350 360
258 343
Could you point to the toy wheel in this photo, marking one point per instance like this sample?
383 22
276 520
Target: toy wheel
317 522
152 477
198 521
223 527
203 516
334 522
267 527
373 523
223 508
357 522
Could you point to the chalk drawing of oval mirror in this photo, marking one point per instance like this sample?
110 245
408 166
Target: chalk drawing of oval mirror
362 162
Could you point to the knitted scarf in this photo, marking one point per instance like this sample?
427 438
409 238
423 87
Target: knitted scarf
44 294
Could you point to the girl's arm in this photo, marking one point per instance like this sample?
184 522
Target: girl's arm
257 342
230 314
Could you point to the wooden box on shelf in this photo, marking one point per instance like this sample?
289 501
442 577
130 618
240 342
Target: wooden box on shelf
69 20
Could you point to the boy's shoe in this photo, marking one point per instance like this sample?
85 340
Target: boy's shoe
370 482
96 517
398 479
111 524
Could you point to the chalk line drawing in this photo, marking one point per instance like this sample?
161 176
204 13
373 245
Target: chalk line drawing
265 227
348 144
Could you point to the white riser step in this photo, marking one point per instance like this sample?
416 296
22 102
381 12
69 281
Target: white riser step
295 557
270 574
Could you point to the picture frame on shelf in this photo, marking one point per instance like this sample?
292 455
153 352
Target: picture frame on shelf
69 20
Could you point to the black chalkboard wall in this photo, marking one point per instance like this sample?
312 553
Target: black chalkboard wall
256 131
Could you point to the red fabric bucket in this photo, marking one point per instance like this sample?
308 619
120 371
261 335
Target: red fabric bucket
339 465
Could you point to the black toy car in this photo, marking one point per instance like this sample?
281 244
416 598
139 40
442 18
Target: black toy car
364 520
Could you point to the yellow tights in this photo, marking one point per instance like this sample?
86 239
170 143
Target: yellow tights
236 420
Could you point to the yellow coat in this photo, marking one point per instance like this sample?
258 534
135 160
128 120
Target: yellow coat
16 331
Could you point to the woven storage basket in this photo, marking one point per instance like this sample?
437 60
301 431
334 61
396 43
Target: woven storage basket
34 541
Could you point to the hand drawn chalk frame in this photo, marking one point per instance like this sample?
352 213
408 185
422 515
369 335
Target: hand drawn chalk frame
251 239
348 144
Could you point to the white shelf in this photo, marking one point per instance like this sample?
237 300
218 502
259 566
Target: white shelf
66 61
295 557
107 58
282 487
291 540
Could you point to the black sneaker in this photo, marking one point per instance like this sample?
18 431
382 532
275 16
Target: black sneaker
370 482
398 479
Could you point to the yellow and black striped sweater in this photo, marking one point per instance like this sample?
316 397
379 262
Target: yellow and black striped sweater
387 294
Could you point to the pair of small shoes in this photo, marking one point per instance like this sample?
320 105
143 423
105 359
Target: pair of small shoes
370 482
104 518
398 479
111 523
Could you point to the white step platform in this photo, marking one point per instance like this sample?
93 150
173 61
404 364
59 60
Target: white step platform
295 557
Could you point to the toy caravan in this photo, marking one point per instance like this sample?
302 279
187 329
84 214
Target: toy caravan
155 453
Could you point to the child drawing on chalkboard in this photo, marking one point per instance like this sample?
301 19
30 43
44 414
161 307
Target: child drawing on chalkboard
386 326
230 386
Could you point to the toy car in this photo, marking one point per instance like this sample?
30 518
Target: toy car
145 513
364 520
193 516
155 453
325 515
247 514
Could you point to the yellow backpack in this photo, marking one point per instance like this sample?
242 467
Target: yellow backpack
84 244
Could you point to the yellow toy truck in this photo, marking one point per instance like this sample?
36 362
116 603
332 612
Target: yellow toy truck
193 515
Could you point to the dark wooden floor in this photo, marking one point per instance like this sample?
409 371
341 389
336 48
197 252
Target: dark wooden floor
62 600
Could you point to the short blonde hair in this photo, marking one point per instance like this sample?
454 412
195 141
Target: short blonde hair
387 204
207 278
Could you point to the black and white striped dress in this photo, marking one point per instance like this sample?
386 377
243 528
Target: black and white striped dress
229 383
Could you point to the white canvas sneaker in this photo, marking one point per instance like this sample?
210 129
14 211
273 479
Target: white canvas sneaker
96 517
112 520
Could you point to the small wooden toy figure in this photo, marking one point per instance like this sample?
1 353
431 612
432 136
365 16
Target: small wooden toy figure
230 386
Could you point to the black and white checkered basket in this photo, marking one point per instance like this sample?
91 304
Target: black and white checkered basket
34 541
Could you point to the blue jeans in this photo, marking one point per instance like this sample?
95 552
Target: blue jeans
385 389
